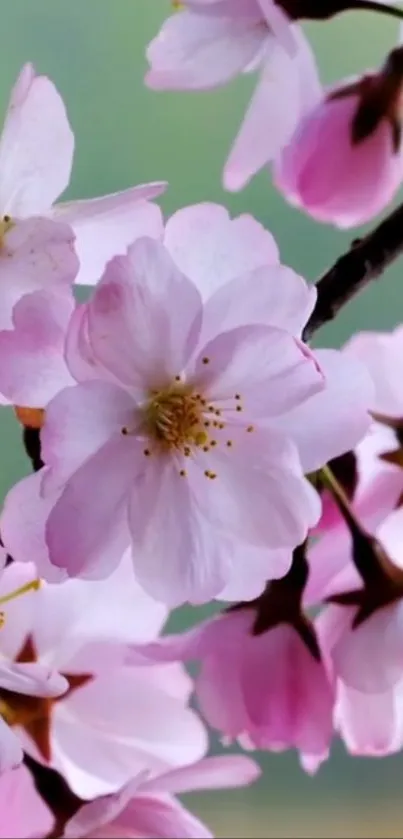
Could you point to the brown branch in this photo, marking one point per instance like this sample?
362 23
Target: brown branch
365 261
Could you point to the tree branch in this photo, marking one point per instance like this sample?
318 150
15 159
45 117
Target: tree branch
366 260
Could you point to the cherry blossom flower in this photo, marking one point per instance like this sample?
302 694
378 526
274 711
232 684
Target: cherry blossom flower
23 813
205 45
172 394
116 375
36 155
267 690
148 808
114 720
344 162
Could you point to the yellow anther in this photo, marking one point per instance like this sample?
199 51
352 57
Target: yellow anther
146 452
205 360
6 223
34 585
250 428
229 443
239 407
237 396
213 442
183 473
200 438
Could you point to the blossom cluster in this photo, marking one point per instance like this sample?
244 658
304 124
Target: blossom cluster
189 446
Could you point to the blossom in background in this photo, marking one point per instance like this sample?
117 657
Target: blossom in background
148 808
114 720
266 690
36 155
23 813
206 44
344 162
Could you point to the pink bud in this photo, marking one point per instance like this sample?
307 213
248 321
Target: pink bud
343 164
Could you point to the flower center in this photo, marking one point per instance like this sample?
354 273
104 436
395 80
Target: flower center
174 417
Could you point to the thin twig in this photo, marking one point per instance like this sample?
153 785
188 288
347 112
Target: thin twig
365 261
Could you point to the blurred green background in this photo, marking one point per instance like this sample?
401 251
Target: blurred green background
125 134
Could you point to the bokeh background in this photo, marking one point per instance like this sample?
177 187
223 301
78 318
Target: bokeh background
94 51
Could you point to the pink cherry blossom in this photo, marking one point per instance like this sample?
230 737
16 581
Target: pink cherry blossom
115 719
172 413
330 174
145 808
117 366
266 690
36 156
205 45
23 814
379 351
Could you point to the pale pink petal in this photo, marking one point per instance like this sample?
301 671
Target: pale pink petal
31 679
368 723
101 812
136 327
212 249
209 773
86 532
378 350
273 295
79 355
268 125
37 254
11 753
194 52
161 817
289 699
105 227
24 814
22 523
259 495
79 421
251 568
335 419
36 148
370 657
32 365
119 723
177 557
270 370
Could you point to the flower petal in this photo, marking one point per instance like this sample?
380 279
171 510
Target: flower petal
268 125
271 295
269 369
32 365
79 421
259 495
105 227
177 557
335 419
86 531
37 254
208 773
23 522
137 328
211 248
195 52
31 679
11 753
36 148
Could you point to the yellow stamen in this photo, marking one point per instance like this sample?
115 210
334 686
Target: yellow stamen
34 585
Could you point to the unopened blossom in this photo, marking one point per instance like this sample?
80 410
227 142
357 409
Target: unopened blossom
268 690
148 808
205 45
343 164
23 813
36 156
114 719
